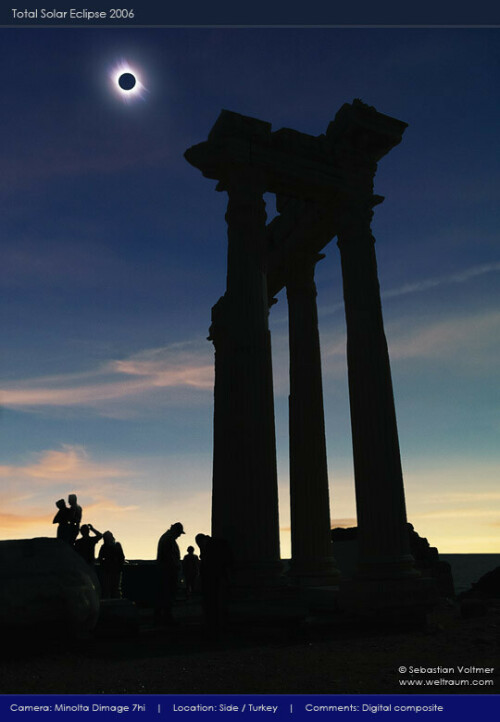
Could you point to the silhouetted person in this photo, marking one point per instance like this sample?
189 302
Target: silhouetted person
75 517
168 560
85 546
111 559
190 570
64 530
216 564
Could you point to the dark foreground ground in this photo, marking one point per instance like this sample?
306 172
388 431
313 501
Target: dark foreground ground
327 656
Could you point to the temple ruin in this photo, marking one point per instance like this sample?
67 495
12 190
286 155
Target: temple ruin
324 189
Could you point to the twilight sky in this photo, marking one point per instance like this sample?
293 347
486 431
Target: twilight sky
113 250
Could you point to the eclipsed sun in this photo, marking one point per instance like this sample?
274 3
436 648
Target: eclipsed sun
127 82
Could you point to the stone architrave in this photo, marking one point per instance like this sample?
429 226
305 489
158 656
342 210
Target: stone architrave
384 550
312 549
245 487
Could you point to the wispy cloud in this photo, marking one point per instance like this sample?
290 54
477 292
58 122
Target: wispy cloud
465 338
460 277
69 464
177 366
466 341
151 376
425 284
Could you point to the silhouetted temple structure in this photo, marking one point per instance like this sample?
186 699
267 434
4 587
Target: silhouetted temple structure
324 188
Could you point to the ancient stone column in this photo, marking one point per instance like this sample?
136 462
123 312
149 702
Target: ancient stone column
382 531
312 554
245 489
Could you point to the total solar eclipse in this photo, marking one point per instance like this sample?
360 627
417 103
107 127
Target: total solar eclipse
127 81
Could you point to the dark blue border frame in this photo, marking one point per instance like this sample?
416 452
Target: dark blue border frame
190 13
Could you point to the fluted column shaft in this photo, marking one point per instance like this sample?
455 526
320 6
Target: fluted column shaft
382 532
245 490
312 555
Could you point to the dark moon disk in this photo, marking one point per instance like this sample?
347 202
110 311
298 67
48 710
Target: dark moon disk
126 81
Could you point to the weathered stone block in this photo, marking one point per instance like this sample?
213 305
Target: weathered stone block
46 587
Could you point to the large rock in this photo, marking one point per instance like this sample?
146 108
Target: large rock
488 587
46 587
345 551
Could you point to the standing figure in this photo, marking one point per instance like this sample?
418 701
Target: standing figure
64 531
168 562
216 564
85 546
75 517
111 559
190 570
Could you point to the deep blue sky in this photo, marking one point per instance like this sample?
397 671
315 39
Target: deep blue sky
113 251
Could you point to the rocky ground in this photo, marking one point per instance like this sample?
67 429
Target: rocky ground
322 657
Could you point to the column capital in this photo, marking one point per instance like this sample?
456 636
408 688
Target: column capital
354 219
245 192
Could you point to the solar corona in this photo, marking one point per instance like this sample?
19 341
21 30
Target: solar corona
126 82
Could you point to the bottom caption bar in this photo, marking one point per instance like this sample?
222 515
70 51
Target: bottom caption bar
444 707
